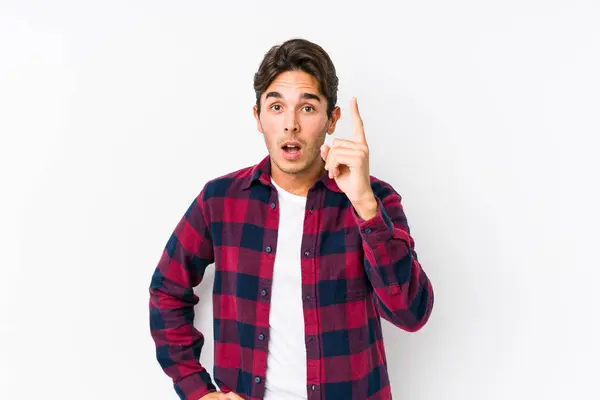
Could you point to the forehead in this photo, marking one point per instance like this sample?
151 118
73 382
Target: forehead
292 83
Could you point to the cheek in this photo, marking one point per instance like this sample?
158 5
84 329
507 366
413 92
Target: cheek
270 123
270 134
314 124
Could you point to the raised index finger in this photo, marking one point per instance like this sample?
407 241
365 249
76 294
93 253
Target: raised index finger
359 130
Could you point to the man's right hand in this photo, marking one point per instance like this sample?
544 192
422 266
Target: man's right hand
221 396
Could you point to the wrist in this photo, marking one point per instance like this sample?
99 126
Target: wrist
366 209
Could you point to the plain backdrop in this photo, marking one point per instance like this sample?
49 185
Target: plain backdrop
482 114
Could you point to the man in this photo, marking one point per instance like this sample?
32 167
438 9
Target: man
309 252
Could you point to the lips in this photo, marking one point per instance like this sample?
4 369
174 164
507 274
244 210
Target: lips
291 150
291 144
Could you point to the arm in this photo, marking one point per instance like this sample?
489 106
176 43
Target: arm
181 267
403 292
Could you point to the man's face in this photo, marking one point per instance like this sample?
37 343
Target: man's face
294 110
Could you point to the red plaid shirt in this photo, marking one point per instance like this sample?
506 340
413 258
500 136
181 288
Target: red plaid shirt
353 273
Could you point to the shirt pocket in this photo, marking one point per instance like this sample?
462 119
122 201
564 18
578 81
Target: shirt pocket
359 292
352 239
354 265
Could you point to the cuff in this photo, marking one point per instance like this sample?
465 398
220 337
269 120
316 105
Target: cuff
194 386
376 230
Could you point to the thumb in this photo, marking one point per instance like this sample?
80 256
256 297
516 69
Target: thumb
232 396
324 151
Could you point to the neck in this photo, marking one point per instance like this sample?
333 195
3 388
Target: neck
300 183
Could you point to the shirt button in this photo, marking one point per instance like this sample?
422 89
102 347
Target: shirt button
307 297
307 253
313 387
261 337
268 249
257 379
273 205
368 230
263 292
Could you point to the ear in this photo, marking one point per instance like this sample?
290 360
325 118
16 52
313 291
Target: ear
336 114
257 117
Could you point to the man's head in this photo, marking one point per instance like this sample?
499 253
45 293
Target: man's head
296 94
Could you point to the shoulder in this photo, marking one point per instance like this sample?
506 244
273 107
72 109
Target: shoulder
228 184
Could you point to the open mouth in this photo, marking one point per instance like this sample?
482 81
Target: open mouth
291 149
291 152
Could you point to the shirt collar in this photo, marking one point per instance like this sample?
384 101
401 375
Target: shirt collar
261 172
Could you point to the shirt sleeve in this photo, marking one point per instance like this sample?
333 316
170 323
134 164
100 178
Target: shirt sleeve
181 267
403 292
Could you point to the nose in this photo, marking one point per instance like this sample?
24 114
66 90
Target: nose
291 124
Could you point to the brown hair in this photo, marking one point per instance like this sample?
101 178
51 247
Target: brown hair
293 55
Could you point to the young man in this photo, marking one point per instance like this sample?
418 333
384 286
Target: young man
309 252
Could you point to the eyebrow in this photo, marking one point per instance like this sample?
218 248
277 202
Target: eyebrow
305 96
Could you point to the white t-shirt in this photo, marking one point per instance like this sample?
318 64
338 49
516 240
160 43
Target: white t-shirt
286 360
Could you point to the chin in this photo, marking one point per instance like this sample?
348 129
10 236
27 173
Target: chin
293 167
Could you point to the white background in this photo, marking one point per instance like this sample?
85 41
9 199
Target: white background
482 114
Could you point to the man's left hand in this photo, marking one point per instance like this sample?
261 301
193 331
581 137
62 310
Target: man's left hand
347 161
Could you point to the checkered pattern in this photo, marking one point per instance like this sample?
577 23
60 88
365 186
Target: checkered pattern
353 273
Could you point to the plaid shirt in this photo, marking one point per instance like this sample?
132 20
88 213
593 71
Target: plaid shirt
353 272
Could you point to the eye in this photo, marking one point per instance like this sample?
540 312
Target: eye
311 108
276 105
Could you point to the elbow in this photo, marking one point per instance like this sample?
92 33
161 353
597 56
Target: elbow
414 317
421 310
